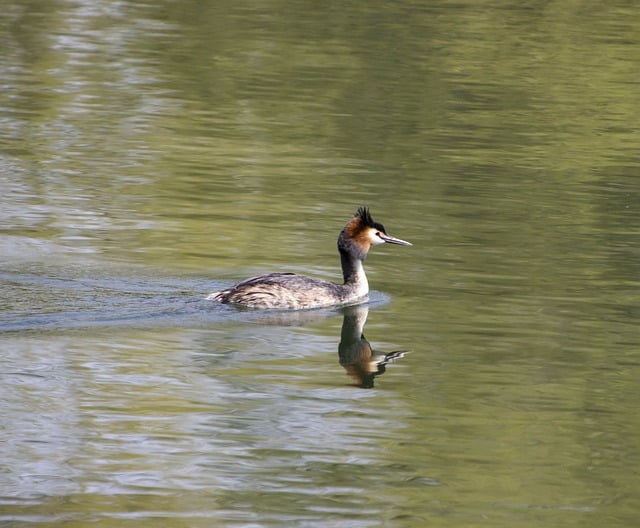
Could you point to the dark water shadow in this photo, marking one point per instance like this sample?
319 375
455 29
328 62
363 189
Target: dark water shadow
40 302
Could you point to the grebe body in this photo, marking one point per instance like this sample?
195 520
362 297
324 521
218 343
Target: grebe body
296 292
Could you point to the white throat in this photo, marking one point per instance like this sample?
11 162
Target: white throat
362 285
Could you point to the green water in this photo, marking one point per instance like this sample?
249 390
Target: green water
153 152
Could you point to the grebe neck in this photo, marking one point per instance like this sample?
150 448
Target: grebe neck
353 273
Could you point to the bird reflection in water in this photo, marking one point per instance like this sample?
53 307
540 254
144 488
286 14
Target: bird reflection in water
357 357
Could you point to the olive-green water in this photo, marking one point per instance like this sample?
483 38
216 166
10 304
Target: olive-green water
153 152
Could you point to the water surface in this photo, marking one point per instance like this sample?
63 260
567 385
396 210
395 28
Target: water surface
151 153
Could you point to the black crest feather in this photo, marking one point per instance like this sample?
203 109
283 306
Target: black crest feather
365 216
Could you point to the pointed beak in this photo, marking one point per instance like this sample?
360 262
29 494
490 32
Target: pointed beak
393 240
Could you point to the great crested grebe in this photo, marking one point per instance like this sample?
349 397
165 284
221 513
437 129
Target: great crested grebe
296 292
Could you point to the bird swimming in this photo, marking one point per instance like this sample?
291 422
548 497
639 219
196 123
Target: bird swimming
297 292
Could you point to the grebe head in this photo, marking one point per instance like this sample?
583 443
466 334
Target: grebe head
362 232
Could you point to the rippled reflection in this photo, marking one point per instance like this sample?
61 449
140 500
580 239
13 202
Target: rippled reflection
357 356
